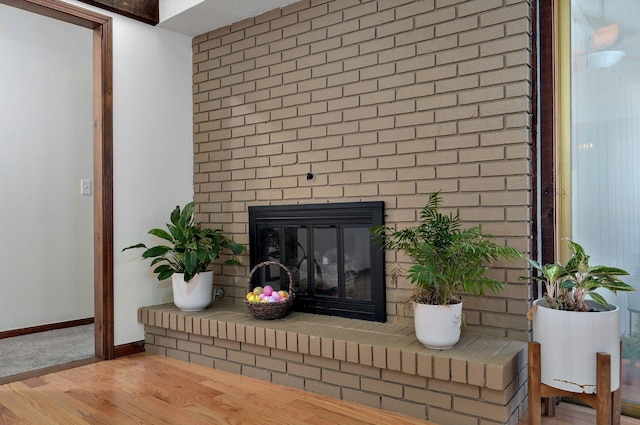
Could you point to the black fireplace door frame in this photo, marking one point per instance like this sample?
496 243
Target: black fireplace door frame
270 230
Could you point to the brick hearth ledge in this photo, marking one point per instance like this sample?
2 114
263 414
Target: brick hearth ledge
481 381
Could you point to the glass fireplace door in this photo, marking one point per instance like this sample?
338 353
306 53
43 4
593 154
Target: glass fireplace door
327 248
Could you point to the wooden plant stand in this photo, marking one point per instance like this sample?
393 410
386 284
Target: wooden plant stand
606 403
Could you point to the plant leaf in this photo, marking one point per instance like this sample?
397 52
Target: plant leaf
175 216
156 251
599 299
161 234
187 214
191 263
140 245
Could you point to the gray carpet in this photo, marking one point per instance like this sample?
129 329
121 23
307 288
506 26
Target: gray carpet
36 351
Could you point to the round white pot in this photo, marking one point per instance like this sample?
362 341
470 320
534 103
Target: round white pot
437 326
194 295
569 343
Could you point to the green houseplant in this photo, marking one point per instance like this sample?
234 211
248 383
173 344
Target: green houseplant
567 287
572 322
188 254
446 260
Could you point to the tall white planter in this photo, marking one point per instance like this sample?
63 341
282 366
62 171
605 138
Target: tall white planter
569 343
194 295
437 326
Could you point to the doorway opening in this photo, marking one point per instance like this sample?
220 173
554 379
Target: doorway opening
101 27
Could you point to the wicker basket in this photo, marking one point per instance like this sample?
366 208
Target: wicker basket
275 310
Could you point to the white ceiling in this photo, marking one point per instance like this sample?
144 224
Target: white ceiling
204 16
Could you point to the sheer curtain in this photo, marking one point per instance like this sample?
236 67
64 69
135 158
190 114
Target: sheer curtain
605 146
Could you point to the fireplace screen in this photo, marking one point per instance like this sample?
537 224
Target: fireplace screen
336 269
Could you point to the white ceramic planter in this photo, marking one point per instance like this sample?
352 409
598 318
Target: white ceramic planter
569 343
194 295
437 326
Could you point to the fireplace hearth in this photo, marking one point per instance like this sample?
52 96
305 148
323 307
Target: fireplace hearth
336 269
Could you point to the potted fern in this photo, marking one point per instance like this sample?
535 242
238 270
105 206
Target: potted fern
187 256
572 322
447 260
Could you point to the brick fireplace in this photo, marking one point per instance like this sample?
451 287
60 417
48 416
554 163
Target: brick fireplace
328 101
367 101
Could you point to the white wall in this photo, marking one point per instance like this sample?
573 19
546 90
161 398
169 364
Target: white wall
46 135
153 154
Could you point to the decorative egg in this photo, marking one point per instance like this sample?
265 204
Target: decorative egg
267 290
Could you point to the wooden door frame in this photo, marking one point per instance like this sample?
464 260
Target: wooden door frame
548 95
102 156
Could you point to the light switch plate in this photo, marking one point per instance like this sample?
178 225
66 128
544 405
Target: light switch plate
85 187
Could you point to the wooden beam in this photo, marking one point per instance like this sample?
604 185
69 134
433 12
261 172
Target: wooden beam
60 10
147 11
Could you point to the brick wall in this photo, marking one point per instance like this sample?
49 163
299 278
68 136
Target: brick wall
380 100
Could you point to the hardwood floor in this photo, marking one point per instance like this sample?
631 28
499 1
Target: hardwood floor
148 389
571 414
